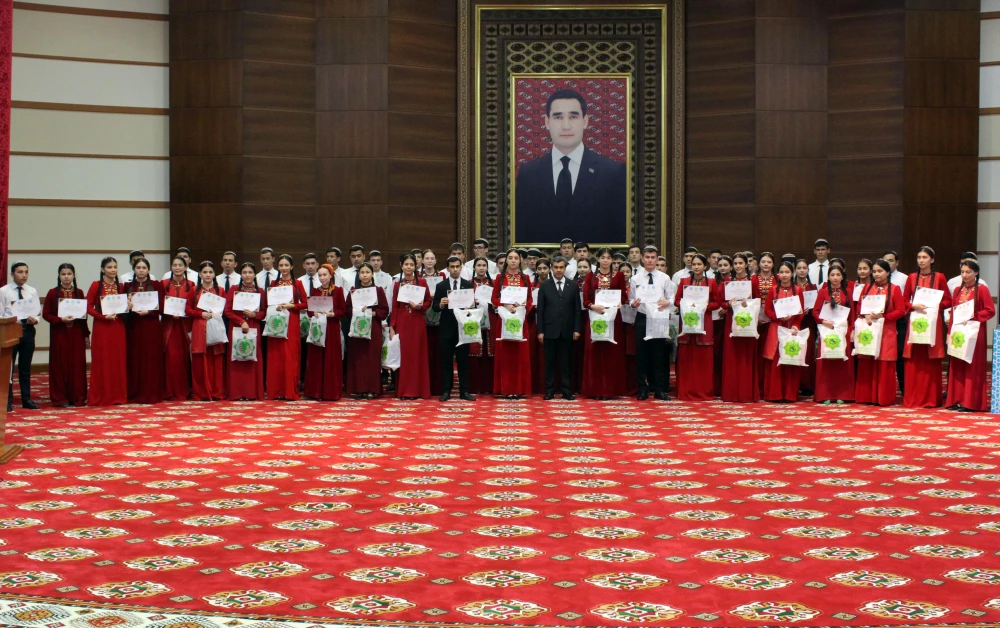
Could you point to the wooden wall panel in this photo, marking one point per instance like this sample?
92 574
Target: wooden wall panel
354 40
424 44
720 182
791 41
790 182
718 10
291 230
352 8
352 134
729 228
784 229
725 89
206 83
296 8
411 228
426 90
942 83
197 225
348 225
279 133
942 34
206 131
353 181
942 131
867 37
279 38
423 11
369 87
791 87
720 44
720 136
791 134
865 132
791 8
206 35
865 180
422 136
279 85
421 182
205 179
869 85
279 180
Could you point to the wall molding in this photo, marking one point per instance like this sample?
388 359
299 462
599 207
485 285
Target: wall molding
26 55
60 106
25 153
82 252
984 206
990 111
62 202
130 15
986 15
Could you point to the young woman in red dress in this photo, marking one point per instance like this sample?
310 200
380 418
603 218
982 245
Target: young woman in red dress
206 360
922 367
876 377
409 321
364 356
481 353
542 268
324 376
834 378
765 281
428 268
740 356
144 338
695 354
246 378
628 329
283 359
865 267
69 339
967 382
808 322
583 270
512 378
108 370
603 362
723 275
176 345
781 381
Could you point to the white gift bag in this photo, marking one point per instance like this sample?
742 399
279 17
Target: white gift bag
792 347
602 326
658 323
244 345
693 317
276 324
512 324
745 320
361 324
833 342
215 332
628 315
923 327
317 330
868 338
470 326
390 352
962 340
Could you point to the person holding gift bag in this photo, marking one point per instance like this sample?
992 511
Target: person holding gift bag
69 339
108 362
512 378
781 381
408 319
922 365
246 376
283 352
723 275
324 376
481 353
451 351
176 326
206 359
431 276
834 375
967 379
364 344
144 336
876 376
652 293
809 296
543 270
740 354
765 281
696 299
604 362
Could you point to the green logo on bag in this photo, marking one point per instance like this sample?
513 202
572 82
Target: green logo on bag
921 325
691 319
743 319
277 324
470 328
512 325
792 348
245 347
865 337
361 325
957 339
832 341
599 327
315 332
385 352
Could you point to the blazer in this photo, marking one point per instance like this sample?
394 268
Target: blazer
448 327
558 314
597 211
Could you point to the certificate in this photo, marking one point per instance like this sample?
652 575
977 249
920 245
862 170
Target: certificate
835 316
461 299
696 293
321 304
211 303
279 295
873 304
432 282
648 293
608 298
410 293
963 313
246 301
858 288
174 306
23 308
509 295
145 301
738 290
928 297
114 304
363 297
789 306
809 297
484 294
77 308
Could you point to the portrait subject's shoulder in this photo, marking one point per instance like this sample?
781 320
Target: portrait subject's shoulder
544 161
602 161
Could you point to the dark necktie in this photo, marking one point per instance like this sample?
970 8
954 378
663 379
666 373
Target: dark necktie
227 284
267 279
19 294
559 286
454 284
821 273
650 275
564 185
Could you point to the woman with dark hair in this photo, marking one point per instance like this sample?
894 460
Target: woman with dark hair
604 362
967 382
283 358
865 267
206 360
408 320
543 270
364 355
245 379
176 345
765 281
108 370
808 322
781 381
144 339
835 378
432 321
69 339
512 377
922 367
723 275
695 355
740 361
876 377
481 353
324 376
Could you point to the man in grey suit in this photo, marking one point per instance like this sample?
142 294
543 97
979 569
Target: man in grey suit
558 315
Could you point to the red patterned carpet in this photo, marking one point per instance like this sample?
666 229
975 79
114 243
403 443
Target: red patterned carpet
503 512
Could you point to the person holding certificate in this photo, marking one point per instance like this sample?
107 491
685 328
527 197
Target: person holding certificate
876 377
834 307
364 355
106 301
723 275
967 381
20 301
246 305
628 327
176 326
604 362
809 294
282 378
481 353
542 270
431 276
926 295
513 377
740 355
454 293
695 355
206 302
69 338
781 382
143 336
408 319
765 281
324 376
651 291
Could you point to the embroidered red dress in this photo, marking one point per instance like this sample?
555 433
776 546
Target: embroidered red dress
245 379
108 370
206 361
433 339
364 356
324 377
413 377
695 354
603 362
740 356
284 354
176 345
781 382
512 375
481 354
876 378
923 363
808 383
834 378
967 382
67 351
144 338
764 284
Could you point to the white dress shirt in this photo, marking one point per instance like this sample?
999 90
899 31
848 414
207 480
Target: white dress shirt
272 277
814 272
308 285
190 273
575 159
8 294
665 284
384 280
898 279
347 279
684 273
234 280
953 283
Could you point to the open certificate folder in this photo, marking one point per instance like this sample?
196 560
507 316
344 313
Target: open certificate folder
246 301
77 308
145 301
211 303
175 306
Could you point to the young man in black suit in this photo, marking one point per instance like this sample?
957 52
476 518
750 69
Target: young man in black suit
558 316
449 333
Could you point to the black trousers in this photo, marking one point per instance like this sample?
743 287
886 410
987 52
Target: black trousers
901 326
460 354
303 354
558 349
23 352
652 358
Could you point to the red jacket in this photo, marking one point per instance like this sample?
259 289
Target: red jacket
708 338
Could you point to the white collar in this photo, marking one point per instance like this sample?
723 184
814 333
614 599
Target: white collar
575 157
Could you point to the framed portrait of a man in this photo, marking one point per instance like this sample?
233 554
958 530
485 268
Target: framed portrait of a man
570 158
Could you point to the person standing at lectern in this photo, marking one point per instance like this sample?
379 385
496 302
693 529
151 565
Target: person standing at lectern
19 290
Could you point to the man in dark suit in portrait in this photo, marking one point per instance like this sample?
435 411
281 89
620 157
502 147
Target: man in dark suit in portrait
558 315
449 333
571 190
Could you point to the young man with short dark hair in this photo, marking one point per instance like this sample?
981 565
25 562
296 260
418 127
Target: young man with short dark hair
19 290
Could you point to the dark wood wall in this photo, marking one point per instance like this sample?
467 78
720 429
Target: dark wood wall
853 120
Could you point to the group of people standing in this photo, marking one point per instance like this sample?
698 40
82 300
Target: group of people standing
742 328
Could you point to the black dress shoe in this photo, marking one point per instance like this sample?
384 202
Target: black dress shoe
464 396
445 397
569 397
10 405
30 405
549 396
660 396
642 396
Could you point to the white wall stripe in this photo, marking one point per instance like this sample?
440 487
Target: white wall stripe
46 80
64 35
160 7
89 179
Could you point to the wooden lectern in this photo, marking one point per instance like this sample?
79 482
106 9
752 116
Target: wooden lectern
10 334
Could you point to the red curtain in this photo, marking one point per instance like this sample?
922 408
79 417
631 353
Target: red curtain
6 39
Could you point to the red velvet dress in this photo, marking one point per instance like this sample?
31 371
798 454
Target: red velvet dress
433 346
364 357
535 348
144 339
967 382
513 375
176 345
603 362
206 362
808 384
284 354
923 366
413 376
695 353
876 378
481 354
324 378
67 351
781 382
576 357
719 327
740 356
763 364
834 378
108 371
245 380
